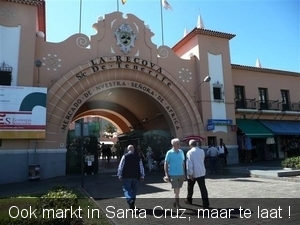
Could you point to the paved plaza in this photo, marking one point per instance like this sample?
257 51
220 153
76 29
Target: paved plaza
225 192
231 195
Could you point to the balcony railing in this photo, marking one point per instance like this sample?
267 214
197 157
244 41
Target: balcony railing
295 106
245 104
266 105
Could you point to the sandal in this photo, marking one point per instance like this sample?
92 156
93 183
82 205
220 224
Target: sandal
176 206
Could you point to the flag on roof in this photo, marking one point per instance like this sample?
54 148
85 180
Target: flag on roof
166 4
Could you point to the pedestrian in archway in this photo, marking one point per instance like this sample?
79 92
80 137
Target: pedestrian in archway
108 153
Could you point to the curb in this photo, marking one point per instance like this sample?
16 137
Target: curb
111 221
247 172
289 179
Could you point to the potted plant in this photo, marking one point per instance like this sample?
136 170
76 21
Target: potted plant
291 163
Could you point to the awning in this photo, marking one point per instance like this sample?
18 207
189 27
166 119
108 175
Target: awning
253 129
195 137
282 127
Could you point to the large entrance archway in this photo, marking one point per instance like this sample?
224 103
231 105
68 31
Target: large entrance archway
134 93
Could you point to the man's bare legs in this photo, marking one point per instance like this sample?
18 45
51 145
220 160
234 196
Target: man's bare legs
176 192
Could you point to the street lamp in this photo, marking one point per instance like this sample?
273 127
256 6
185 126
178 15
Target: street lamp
38 64
206 79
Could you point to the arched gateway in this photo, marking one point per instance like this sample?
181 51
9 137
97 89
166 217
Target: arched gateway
120 58
103 74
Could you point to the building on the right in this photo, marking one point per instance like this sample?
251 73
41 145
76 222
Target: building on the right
267 109
256 108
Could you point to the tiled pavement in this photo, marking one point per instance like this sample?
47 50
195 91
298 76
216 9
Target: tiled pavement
229 190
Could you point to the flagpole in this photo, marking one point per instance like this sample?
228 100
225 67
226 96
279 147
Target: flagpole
118 5
80 9
162 22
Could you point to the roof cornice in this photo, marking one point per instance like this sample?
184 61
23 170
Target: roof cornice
27 2
196 31
264 70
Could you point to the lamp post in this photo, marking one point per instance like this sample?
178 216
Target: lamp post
206 79
38 64
81 152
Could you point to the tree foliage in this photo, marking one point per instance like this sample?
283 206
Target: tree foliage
110 128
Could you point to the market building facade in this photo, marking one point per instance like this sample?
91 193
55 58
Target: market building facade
120 75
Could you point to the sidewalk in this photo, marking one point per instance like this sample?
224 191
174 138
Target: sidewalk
266 170
231 188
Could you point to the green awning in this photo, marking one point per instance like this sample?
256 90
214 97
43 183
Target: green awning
253 129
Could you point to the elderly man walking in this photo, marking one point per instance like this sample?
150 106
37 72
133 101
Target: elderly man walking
196 173
130 172
175 169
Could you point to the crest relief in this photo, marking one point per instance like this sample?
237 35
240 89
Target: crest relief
125 37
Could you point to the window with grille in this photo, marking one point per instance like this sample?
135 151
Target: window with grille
5 74
218 91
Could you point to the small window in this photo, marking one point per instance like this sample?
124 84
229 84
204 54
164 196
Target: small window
5 74
218 91
212 140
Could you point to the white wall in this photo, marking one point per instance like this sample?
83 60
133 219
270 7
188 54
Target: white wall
215 69
9 49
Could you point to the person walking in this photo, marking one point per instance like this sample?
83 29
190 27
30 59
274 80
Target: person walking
223 152
149 157
108 153
196 173
174 167
213 153
130 172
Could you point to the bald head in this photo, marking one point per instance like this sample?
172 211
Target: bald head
192 143
130 148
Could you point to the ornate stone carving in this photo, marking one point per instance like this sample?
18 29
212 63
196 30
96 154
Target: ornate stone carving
52 62
185 75
163 52
82 41
125 37
7 13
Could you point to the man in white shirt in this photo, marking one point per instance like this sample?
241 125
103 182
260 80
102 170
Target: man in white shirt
196 172
223 152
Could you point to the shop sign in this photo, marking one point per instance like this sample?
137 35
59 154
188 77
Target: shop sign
219 122
210 127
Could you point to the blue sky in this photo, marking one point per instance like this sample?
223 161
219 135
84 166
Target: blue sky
265 29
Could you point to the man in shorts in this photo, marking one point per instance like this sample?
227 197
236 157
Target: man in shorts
175 169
